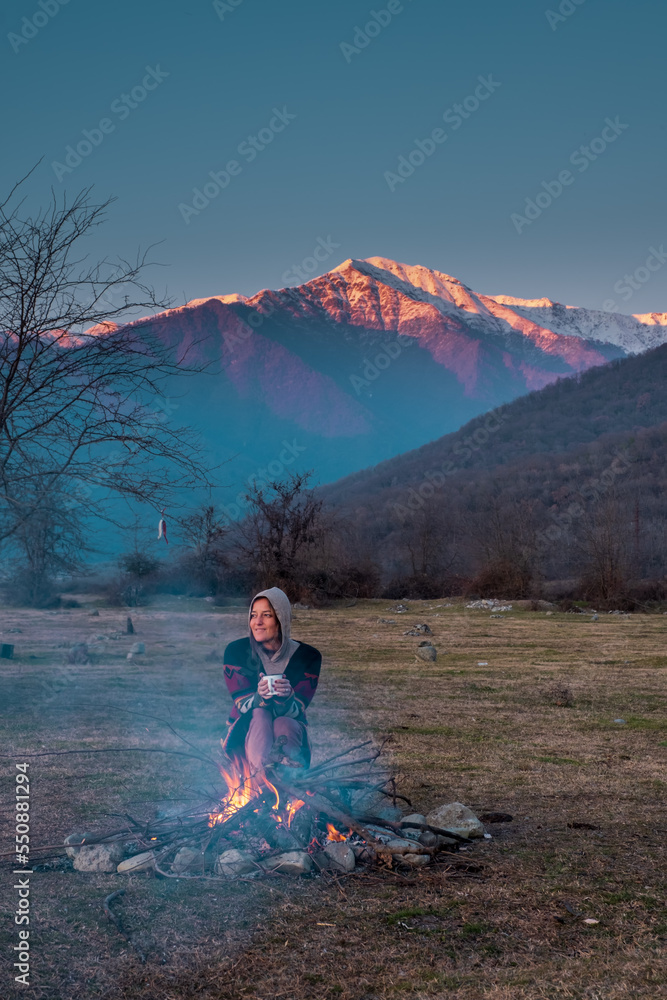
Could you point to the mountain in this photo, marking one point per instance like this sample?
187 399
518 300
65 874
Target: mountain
631 333
563 489
623 397
370 360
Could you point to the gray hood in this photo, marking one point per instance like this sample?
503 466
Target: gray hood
275 663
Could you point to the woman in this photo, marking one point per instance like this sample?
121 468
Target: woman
266 710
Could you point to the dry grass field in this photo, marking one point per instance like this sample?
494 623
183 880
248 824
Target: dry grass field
517 715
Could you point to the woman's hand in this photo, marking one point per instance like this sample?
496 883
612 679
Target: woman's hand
282 687
263 689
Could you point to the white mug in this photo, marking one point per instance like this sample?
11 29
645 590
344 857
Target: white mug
271 679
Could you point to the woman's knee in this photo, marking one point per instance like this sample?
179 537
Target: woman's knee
287 727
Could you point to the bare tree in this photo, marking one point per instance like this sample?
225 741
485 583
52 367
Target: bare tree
283 523
504 535
206 532
78 393
605 539
428 536
46 544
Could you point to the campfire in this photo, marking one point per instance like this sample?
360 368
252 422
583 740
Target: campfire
337 815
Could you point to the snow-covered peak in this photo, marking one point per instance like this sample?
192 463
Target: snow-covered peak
379 293
633 334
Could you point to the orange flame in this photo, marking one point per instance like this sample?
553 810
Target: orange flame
243 786
334 834
273 788
293 808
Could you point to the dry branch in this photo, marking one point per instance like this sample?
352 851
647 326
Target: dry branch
115 920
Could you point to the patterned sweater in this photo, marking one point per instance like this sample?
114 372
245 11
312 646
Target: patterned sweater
242 675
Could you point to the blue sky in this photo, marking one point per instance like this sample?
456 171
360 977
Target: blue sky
219 75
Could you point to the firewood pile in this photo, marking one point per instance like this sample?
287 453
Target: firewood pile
338 815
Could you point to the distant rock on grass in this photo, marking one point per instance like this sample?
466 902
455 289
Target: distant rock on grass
427 652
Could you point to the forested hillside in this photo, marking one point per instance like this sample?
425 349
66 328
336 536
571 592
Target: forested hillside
561 492
620 396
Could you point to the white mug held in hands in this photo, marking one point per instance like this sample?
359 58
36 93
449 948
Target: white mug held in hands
271 682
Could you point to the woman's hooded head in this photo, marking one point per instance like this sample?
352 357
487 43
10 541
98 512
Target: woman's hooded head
275 662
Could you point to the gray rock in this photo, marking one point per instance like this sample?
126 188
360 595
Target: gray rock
233 862
379 833
419 630
425 651
400 849
289 863
441 842
418 860
494 605
78 654
98 858
364 853
139 863
137 648
411 833
398 842
186 860
76 838
414 818
95 614
341 856
456 817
